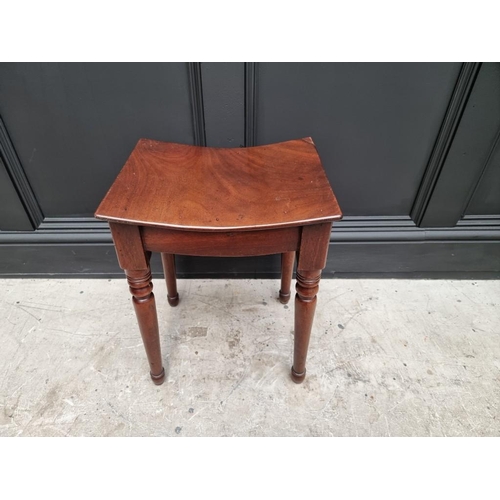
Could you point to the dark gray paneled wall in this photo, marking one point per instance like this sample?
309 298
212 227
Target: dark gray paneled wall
374 124
472 154
412 151
224 104
485 199
12 213
74 125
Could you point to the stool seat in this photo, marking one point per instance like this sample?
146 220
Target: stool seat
196 188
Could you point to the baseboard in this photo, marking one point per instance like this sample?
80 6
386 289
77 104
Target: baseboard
454 260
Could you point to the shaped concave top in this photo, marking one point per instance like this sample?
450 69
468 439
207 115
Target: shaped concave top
219 189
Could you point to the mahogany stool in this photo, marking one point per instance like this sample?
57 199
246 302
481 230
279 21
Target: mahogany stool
191 200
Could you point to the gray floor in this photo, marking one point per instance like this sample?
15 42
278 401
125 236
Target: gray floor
387 358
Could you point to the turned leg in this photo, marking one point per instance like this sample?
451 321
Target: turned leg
310 262
305 306
141 288
168 261
287 260
135 261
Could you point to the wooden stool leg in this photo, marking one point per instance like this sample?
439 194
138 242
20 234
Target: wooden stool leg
168 261
305 306
143 298
311 260
287 260
135 262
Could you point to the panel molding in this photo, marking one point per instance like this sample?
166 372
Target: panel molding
480 220
13 216
197 110
401 229
61 230
19 179
250 103
473 142
453 115
482 173
351 229
376 247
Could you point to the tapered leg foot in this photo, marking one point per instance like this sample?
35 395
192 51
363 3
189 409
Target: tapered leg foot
168 261
305 305
158 379
287 260
173 301
298 378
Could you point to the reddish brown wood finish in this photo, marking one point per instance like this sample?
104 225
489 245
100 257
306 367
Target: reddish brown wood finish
305 306
228 244
311 261
215 189
178 199
287 260
143 298
134 260
128 246
168 261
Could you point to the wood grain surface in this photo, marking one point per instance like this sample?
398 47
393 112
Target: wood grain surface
218 189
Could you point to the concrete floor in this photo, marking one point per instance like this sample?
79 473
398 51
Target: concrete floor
387 358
